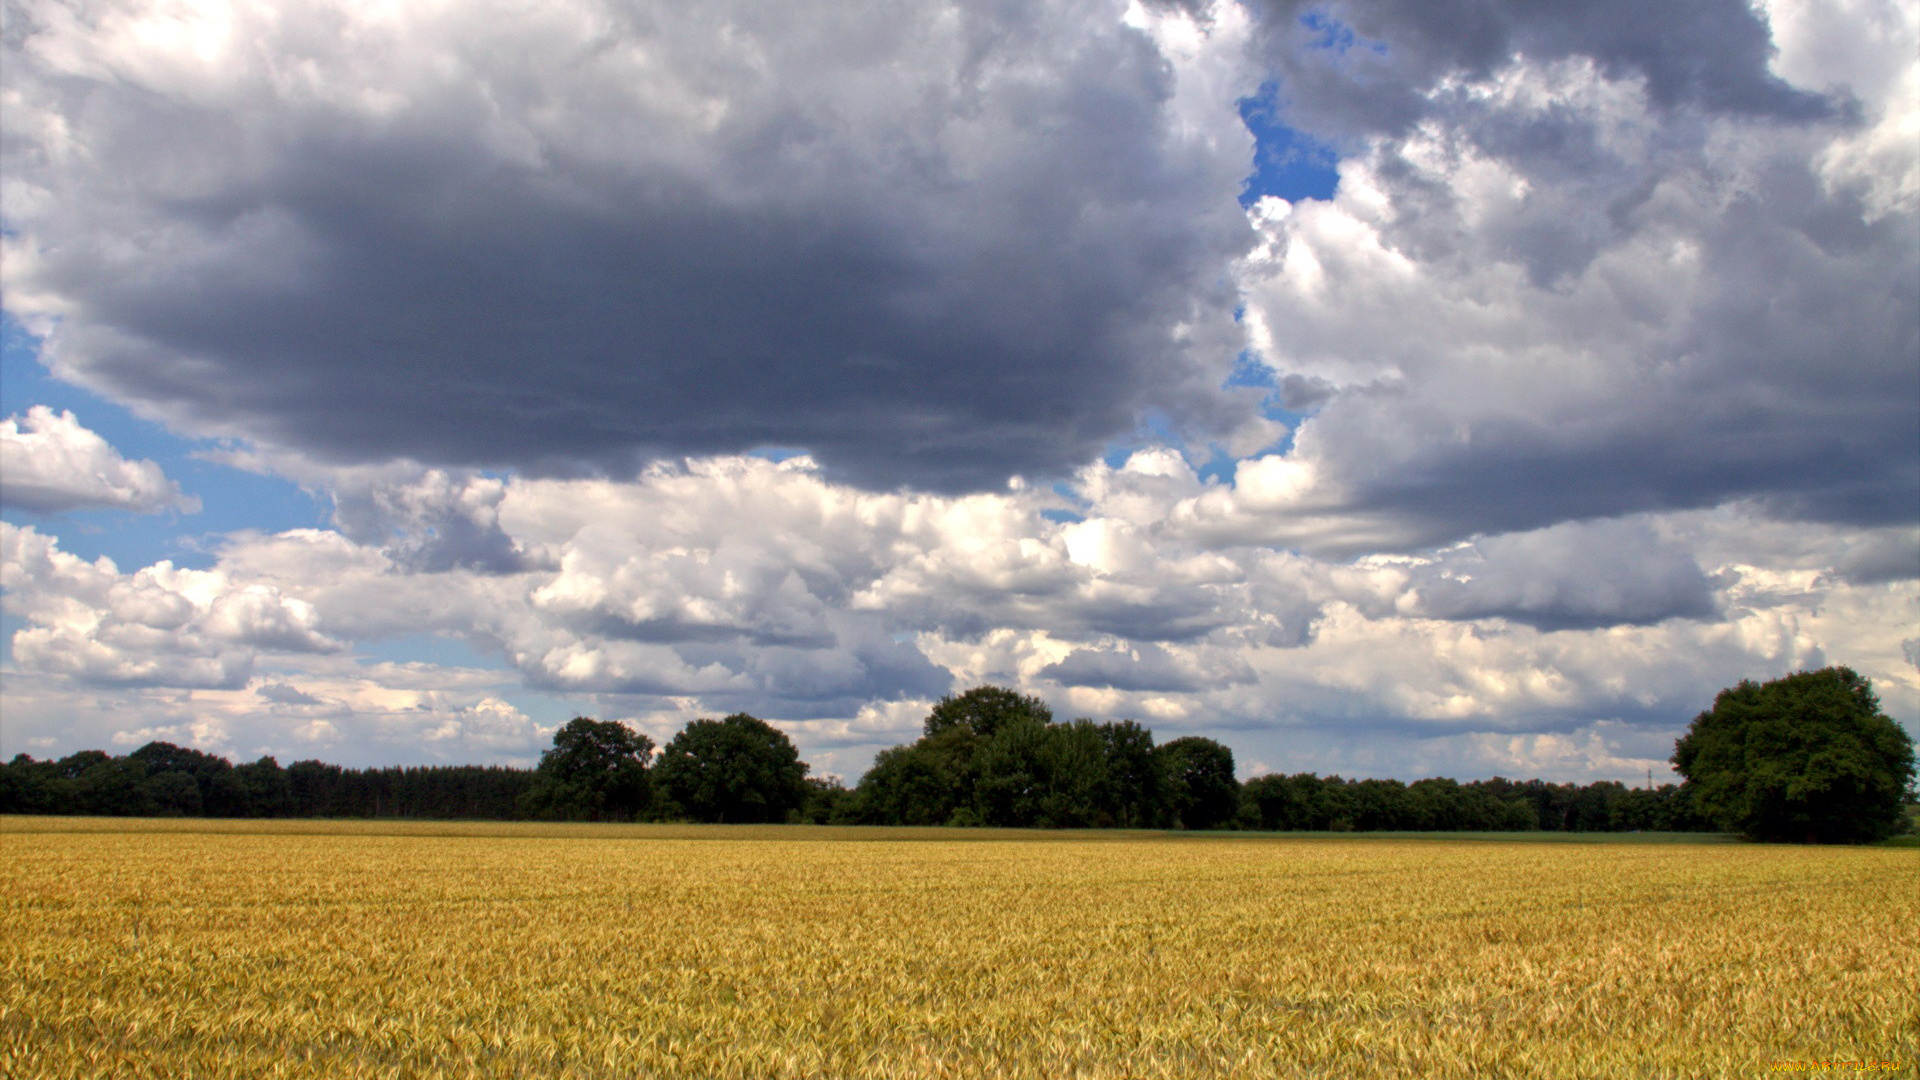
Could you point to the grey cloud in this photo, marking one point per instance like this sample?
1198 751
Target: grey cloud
757 633
784 681
1569 577
1145 667
286 694
1774 365
931 252
430 523
793 685
1698 60
1300 393
1706 54
1170 614
1882 556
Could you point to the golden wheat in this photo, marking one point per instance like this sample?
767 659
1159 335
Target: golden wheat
308 949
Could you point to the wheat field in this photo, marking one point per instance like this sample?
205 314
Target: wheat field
313 949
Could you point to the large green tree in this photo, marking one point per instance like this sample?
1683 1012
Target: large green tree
992 756
1809 757
1199 789
596 771
984 710
740 769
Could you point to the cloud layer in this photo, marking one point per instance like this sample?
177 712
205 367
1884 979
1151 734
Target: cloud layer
1589 391
741 584
1585 265
932 244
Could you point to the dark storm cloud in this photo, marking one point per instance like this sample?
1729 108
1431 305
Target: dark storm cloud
1368 65
930 250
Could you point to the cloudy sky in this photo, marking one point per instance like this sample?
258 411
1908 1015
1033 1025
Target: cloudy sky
1383 387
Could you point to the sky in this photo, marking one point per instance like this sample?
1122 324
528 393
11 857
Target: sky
1389 388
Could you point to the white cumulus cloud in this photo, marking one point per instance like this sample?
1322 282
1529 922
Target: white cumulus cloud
158 626
49 463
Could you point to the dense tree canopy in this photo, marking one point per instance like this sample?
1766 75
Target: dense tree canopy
1809 757
740 769
984 710
918 784
1200 790
430 791
188 782
157 779
991 756
596 771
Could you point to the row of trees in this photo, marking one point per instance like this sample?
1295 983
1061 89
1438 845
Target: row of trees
739 769
986 757
161 779
1308 802
994 757
1809 757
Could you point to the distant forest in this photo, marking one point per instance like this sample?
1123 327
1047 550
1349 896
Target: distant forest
987 757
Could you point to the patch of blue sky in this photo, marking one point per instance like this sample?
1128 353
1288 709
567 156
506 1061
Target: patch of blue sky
1287 163
1219 468
1272 410
230 499
1250 370
777 454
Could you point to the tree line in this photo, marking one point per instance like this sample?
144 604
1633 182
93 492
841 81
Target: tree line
1809 757
994 757
164 780
989 756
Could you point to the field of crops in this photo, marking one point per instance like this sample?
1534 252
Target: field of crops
307 949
